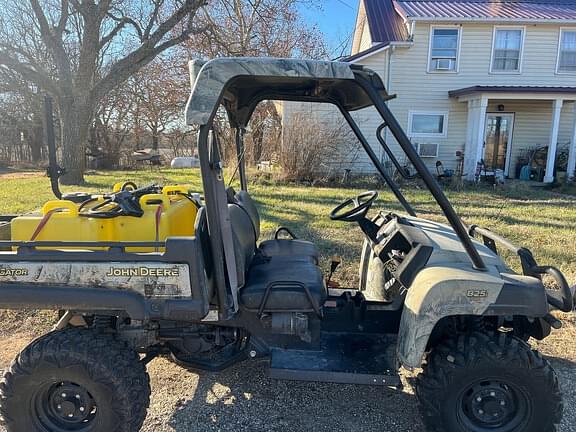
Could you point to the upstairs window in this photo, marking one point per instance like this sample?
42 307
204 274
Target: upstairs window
444 44
507 49
567 51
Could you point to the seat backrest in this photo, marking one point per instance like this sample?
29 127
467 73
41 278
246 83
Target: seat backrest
249 205
202 234
244 240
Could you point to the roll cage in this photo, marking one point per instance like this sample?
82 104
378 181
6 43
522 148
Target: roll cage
240 84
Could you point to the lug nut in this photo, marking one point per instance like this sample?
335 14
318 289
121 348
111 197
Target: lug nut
478 399
82 409
502 403
70 415
492 394
59 407
480 411
63 395
77 396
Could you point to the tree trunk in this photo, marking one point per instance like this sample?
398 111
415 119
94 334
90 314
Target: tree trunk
75 116
257 140
35 142
155 139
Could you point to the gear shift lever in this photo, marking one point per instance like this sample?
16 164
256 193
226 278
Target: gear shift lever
335 261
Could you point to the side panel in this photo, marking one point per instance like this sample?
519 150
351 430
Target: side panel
444 291
438 292
158 280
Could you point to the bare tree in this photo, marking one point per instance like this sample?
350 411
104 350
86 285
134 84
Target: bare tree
79 50
158 96
21 128
112 126
312 149
258 28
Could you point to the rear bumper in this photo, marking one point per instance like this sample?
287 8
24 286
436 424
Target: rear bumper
95 300
16 296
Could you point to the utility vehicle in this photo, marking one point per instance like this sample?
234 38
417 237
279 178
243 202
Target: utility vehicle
431 296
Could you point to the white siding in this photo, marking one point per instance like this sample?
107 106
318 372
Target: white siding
366 40
367 119
362 39
419 90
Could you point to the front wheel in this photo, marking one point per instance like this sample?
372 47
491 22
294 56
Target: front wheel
75 380
488 383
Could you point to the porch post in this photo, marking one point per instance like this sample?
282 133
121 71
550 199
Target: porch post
474 135
553 145
572 155
481 130
469 150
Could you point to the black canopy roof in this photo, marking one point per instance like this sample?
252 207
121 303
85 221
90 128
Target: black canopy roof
241 83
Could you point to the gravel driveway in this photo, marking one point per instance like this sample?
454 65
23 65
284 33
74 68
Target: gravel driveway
243 398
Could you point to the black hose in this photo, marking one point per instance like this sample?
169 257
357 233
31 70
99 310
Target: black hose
94 212
190 198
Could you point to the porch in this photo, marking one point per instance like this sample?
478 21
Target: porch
520 132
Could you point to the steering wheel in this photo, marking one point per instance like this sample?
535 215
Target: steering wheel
362 204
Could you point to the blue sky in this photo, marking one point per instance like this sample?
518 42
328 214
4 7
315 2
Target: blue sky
335 18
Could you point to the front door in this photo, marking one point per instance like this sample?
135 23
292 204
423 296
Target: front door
498 141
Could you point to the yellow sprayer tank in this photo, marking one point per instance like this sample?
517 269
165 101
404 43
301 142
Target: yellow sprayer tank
169 214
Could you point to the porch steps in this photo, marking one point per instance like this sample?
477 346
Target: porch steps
346 358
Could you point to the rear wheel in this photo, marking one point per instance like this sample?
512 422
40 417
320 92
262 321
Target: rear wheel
488 383
75 380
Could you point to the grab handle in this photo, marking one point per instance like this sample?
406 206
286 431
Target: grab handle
152 200
566 304
69 208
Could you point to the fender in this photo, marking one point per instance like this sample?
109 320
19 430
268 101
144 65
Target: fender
449 290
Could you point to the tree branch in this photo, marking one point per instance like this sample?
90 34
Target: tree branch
40 78
122 21
108 38
52 43
45 30
123 68
64 14
153 18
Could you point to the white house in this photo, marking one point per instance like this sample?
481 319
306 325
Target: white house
495 79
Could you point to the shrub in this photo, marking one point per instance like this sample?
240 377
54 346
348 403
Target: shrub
311 150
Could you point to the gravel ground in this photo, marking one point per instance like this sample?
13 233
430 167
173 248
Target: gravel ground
243 398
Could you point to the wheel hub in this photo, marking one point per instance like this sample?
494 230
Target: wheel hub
491 405
66 406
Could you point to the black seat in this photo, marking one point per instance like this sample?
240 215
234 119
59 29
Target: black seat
277 283
275 247
289 247
293 284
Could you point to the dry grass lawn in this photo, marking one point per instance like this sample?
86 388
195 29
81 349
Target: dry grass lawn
542 221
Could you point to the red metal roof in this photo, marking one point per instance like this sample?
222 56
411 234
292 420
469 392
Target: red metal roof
385 24
521 10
